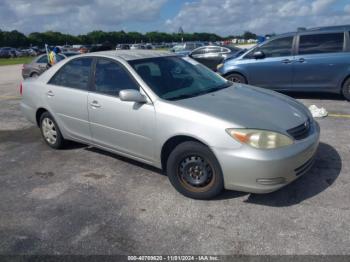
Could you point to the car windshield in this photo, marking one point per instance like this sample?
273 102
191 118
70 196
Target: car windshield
174 78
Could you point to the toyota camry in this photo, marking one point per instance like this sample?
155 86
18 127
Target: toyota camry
207 133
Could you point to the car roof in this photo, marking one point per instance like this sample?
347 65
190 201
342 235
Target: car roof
129 55
315 29
328 28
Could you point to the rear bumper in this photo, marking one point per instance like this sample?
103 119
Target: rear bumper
263 171
28 112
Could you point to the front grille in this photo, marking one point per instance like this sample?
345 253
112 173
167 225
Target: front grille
304 167
301 131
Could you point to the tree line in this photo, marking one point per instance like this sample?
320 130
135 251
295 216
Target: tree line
17 39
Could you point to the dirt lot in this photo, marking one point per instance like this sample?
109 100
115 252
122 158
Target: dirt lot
82 200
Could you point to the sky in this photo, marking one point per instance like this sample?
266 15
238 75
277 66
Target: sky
223 17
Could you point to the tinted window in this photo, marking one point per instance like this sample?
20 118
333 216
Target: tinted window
275 48
179 77
143 69
322 43
111 77
42 60
74 74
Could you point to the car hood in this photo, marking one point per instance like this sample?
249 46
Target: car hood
250 107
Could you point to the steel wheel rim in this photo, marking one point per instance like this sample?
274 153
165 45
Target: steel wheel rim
235 79
49 130
195 173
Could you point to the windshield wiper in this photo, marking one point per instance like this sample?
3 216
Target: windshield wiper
184 96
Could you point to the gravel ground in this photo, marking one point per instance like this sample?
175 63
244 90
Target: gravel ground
82 200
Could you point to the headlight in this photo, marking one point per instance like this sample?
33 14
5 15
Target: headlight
261 139
219 66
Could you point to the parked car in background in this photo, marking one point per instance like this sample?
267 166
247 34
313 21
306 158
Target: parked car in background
211 56
70 53
313 60
38 66
122 47
171 112
137 46
8 52
185 48
28 52
149 46
83 50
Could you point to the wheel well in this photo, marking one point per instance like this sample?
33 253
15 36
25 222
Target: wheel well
170 144
238 73
346 79
39 112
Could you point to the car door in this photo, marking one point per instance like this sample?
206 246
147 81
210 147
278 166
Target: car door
127 127
67 95
320 62
275 69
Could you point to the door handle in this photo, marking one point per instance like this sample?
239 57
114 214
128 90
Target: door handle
50 93
286 61
301 60
95 104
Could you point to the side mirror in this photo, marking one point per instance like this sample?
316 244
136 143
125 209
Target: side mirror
259 55
132 95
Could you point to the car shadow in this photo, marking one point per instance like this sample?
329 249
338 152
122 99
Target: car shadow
70 145
125 159
316 95
325 171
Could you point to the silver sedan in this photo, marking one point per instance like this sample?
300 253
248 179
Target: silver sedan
173 113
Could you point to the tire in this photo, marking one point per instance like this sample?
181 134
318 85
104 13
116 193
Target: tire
50 131
194 171
34 75
236 78
346 89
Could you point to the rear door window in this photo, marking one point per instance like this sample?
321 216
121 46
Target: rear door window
321 43
74 74
42 60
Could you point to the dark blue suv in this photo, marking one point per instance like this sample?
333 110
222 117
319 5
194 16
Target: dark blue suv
312 60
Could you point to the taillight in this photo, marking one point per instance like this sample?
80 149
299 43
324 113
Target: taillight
21 89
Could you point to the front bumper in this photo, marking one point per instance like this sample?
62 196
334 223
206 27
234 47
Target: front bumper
262 171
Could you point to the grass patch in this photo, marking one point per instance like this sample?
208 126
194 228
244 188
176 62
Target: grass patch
16 60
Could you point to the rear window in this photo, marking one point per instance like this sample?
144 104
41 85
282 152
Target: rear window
321 43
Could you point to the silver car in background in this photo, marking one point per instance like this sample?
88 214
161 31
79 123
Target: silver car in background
39 64
174 113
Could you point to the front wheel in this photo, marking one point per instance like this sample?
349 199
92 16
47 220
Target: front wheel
346 89
194 171
236 78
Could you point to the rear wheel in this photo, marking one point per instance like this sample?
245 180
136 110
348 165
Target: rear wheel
236 78
346 89
34 75
194 171
50 131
